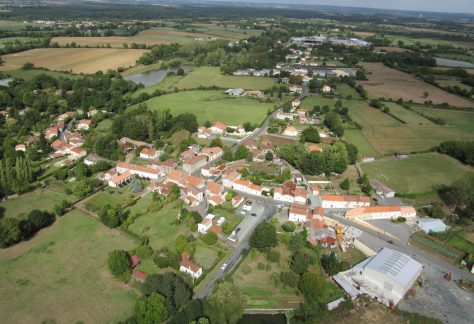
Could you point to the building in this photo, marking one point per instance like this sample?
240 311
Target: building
66 115
20 147
386 276
141 171
381 212
290 131
301 195
77 152
194 163
237 200
149 153
298 213
192 195
314 148
190 267
235 92
51 132
212 153
283 116
326 89
381 189
295 103
214 189
182 179
120 180
128 142
139 275
92 159
163 188
206 224
218 128
345 201
84 124
204 132
428 225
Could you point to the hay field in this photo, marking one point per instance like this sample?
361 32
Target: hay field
61 275
387 135
77 60
390 83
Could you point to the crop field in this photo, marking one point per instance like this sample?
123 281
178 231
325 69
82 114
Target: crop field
390 83
77 60
61 276
213 106
42 198
419 173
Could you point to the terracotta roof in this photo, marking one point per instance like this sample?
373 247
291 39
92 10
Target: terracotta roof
85 122
314 148
135 260
299 209
188 264
121 177
290 129
78 150
149 151
346 198
219 125
318 211
214 188
135 167
301 192
217 200
193 159
139 275
211 151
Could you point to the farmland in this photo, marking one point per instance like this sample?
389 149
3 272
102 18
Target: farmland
77 60
64 268
390 83
213 106
461 120
419 173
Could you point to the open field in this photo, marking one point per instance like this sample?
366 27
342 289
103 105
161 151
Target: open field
61 275
388 135
42 198
77 60
206 255
213 106
309 102
345 90
29 74
108 196
6 40
390 49
14 25
227 31
460 120
390 83
419 173
159 226
357 138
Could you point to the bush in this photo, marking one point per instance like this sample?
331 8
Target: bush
209 238
289 279
119 264
345 184
260 266
264 237
273 256
288 226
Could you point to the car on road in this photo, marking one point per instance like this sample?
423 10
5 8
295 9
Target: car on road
224 266
253 214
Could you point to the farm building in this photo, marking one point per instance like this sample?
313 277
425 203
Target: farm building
387 276
235 92
381 189
428 225
381 212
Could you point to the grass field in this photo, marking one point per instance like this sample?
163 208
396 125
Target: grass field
309 102
206 256
345 90
387 135
213 106
61 275
111 197
357 138
77 60
419 173
43 199
460 120
227 31
28 74
16 25
159 226
390 83
459 242
4 41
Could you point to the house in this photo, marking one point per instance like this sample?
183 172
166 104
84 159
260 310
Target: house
206 224
134 261
20 147
301 195
192 195
214 189
235 92
315 189
250 144
92 113
326 89
281 194
212 153
32 139
297 177
120 180
381 212
163 188
128 142
254 189
229 179
266 147
290 131
298 213
434 225
295 103
190 267
77 152
139 275
60 125
386 276
345 201
215 200
194 163
284 116
149 153
165 167
237 200
141 171
182 179
294 89
381 189
319 232
218 127
66 115
204 132
84 124
51 132
92 159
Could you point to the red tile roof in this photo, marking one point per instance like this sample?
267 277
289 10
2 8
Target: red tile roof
135 261
139 275
188 264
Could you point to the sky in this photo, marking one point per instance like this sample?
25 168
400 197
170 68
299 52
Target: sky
461 6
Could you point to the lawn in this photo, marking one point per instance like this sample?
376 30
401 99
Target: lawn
357 138
61 275
104 126
345 90
419 173
213 105
159 226
309 102
230 217
108 196
42 198
77 60
206 256
408 116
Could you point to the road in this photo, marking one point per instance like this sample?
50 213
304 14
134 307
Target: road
264 211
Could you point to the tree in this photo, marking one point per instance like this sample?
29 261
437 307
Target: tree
81 171
151 309
180 72
289 278
288 226
269 156
136 185
10 231
311 286
119 264
216 142
38 219
311 134
81 188
300 261
264 237
242 152
112 216
225 304
227 155
296 243
209 238
345 184
331 264
273 256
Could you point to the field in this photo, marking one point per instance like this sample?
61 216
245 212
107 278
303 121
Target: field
390 83
43 199
419 173
29 74
345 90
16 25
77 60
109 196
3 41
205 255
387 135
309 102
357 138
213 106
227 30
61 275
461 120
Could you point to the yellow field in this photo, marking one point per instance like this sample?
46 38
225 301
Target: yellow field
77 60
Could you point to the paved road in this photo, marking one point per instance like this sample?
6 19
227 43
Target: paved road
264 212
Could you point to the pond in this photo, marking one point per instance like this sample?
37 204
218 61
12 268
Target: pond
263 319
152 77
453 63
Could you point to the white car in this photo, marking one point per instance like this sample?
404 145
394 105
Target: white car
224 266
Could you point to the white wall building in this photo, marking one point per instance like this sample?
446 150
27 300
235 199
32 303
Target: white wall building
345 201
381 212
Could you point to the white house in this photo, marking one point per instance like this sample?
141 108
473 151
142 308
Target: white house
190 267
301 195
120 179
345 201
212 153
235 92
206 224
84 124
77 152
283 116
387 276
381 212
298 213
218 127
194 163
283 195
290 131
381 189
141 171
149 153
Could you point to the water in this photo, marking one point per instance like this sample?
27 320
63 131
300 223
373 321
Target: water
148 79
263 319
453 63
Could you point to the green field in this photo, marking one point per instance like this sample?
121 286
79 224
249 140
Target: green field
213 106
42 198
16 25
311 101
345 90
3 41
206 256
357 138
28 74
408 116
61 275
227 31
459 242
159 226
108 196
460 120
419 173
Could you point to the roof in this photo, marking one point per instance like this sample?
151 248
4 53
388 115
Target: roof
301 192
193 159
299 209
217 200
314 148
211 150
380 186
149 151
346 198
78 150
219 125
188 264
122 177
396 265
290 129
138 168
135 261
380 209
139 275
85 122
318 211
214 188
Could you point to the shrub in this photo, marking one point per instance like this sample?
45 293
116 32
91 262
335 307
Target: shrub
209 238
288 226
119 264
260 266
273 256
